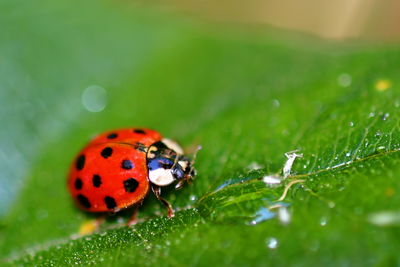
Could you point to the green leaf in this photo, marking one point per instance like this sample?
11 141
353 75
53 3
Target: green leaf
247 98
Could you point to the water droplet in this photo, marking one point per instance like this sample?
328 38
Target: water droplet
348 154
323 221
385 218
378 133
272 243
262 214
276 103
371 115
193 198
381 148
351 124
272 180
94 98
254 166
331 204
344 80
385 116
232 181
284 215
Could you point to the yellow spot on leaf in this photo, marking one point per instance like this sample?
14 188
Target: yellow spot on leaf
389 191
382 85
88 227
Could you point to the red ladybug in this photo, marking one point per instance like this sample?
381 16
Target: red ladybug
117 169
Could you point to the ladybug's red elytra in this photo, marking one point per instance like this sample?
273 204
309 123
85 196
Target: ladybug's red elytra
117 169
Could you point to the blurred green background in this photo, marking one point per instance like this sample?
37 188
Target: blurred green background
217 74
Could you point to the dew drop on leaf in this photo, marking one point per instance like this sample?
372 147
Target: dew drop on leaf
344 80
276 103
284 215
272 243
385 218
385 116
261 215
380 148
272 180
323 221
94 98
254 166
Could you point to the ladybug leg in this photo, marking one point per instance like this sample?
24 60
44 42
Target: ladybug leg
157 191
134 217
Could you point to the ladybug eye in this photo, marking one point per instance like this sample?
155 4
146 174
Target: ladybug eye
178 172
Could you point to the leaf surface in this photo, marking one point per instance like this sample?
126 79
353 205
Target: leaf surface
246 98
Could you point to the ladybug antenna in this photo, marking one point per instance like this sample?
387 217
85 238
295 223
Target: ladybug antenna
198 148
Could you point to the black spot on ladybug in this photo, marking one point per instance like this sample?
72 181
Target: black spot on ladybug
139 131
110 202
96 180
80 162
106 152
130 185
78 184
141 147
84 201
112 136
127 164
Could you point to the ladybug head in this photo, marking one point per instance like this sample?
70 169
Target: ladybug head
167 164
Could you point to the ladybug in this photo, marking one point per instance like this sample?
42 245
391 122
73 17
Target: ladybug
117 169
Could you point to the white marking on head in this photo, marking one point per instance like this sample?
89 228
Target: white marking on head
183 164
171 144
161 177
